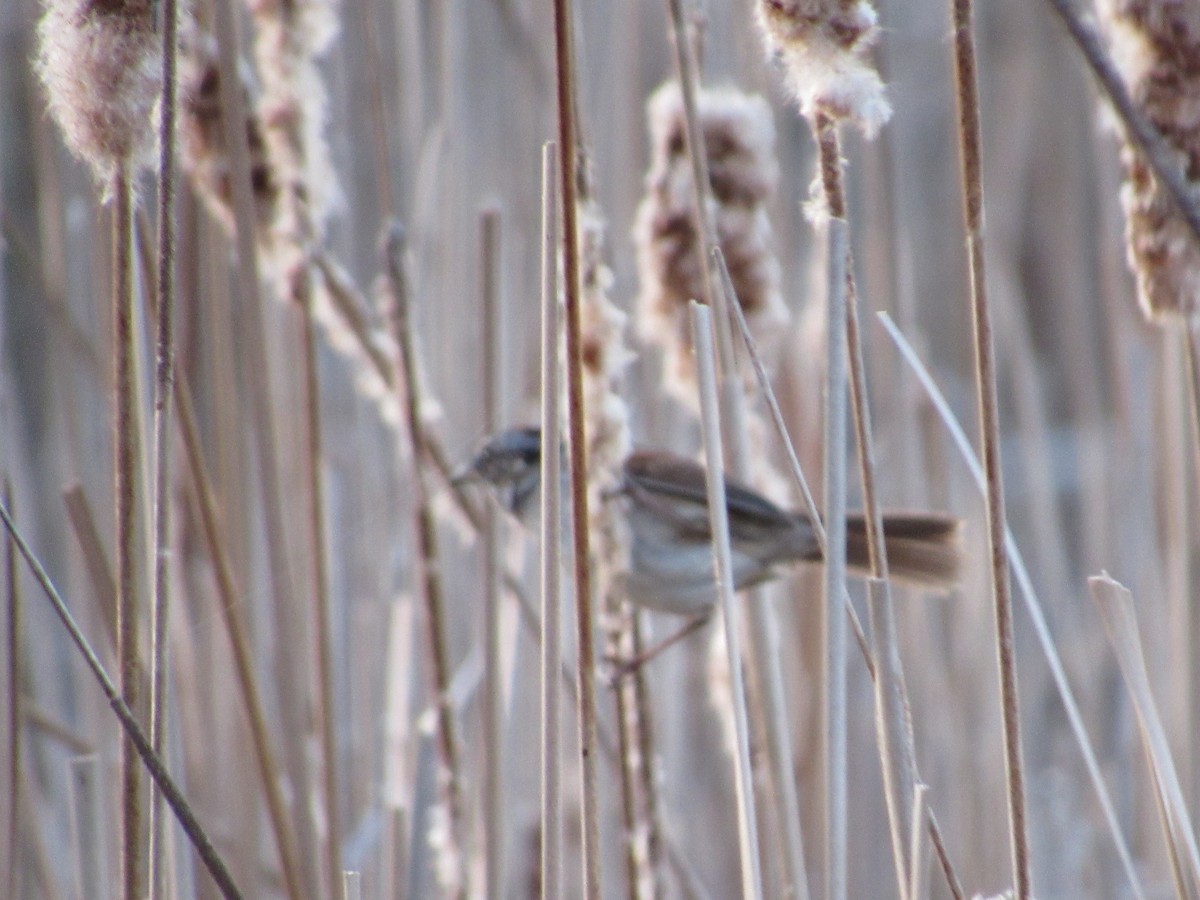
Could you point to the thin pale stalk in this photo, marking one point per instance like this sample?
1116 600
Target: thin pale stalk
231 604
585 612
351 886
407 381
493 695
141 743
918 881
551 541
971 154
1033 605
323 607
648 762
718 510
893 729
834 644
161 477
12 590
896 750
128 601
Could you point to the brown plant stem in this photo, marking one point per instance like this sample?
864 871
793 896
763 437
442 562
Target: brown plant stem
585 614
141 744
406 379
164 378
970 149
128 589
897 751
243 662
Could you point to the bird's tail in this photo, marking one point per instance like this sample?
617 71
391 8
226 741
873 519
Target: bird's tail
922 548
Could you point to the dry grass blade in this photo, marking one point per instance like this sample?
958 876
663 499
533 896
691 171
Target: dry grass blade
1115 605
12 593
1033 605
702 340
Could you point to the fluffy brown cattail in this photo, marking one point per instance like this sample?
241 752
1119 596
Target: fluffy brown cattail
821 44
1155 45
101 63
739 137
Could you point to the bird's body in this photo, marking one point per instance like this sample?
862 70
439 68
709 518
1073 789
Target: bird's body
671 563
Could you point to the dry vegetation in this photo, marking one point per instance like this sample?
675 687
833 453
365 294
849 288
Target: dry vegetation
342 674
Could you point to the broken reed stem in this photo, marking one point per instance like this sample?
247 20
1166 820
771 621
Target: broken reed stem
971 152
141 744
406 380
585 612
12 590
1163 158
918 882
231 602
896 748
323 607
834 644
702 340
125 440
161 477
551 541
493 682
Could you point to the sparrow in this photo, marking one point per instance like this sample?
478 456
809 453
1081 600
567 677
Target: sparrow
664 498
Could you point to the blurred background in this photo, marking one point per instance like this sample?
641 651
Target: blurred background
435 112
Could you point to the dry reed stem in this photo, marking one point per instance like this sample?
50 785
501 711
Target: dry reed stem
12 593
971 155
129 600
894 730
493 694
702 340
161 477
154 765
551 863
351 886
834 643
407 380
1033 605
585 612
243 662
918 883
322 602
1115 605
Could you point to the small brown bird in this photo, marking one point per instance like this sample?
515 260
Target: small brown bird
671 567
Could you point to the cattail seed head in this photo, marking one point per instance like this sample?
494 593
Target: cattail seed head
101 63
822 44
739 138
1156 44
202 135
